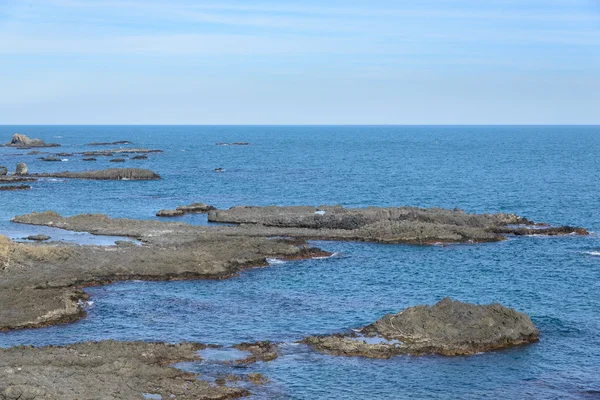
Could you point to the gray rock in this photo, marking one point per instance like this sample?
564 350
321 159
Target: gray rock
196 208
50 158
3 170
22 169
117 160
169 213
38 238
24 142
133 174
449 328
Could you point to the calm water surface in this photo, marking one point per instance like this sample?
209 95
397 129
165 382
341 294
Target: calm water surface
544 173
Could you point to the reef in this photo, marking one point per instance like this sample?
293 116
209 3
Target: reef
108 370
449 328
409 225
129 174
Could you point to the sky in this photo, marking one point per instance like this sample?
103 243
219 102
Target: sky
300 62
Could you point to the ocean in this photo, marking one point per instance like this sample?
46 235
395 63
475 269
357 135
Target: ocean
544 173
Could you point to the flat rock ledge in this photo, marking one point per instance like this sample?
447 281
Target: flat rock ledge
411 225
109 370
124 174
449 328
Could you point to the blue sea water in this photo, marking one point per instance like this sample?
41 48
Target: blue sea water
543 173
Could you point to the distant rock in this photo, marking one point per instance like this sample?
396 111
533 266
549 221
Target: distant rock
109 143
125 174
169 213
24 142
142 157
15 178
196 208
38 238
241 143
14 187
64 154
50 158
219 170
117 160
22 169
222 144
3 170
449 328
88 159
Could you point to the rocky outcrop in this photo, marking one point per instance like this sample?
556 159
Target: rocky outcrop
171 251
23 142
141 157
38 238
196 208
15 179
449 328
3 171
21 169
109 370
169 213
386 225
50 158
14 187
88 159
126 174
117 160
112 152
259 351
120 142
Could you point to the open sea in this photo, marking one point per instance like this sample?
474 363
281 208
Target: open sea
545 173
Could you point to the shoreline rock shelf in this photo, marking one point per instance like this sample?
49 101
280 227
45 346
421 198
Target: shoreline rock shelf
410 225
449 328
131 174
116 370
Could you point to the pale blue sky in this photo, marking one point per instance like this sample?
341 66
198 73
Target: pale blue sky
300 62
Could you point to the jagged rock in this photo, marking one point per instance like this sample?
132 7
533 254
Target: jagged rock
169 213
24 142
22 169
449 328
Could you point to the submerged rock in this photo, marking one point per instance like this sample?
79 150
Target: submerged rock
22 169
110 143
169 213
24 142
449 328
128 174
109 370
196 208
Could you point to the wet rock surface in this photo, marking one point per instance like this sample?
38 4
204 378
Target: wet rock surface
105 370
259 351
171 251
132 174
23 142
21 169
3 171
449 328
410 225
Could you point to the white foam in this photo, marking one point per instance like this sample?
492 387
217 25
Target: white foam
275 261
320 212
325 257
64 159
592 253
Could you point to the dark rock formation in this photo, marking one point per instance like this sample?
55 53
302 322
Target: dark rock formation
128 174
120 142
241 143
3 171
22 169
23 142
259 351
38 238
387 225
50 158
196 208
449 328
219 170
169 213
110 153
14 187
89 159
15 178
117 160
142 157
109 370
64 154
